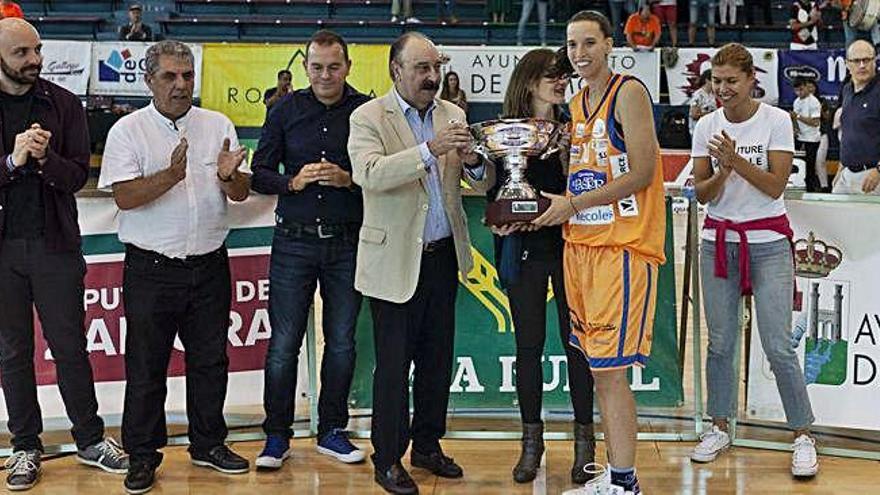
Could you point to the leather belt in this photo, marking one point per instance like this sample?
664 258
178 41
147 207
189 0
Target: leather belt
437 245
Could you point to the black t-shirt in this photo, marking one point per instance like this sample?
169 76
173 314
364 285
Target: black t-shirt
25 213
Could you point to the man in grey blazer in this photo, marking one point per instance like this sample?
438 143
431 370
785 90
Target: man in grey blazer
409 151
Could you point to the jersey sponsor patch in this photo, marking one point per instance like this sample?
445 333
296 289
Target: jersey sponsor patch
597 215
628 206
580 130
619 165
586 180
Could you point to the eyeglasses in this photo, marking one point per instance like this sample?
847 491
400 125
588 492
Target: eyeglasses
858 62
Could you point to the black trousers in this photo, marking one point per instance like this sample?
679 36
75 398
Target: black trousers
53 282
528 306
165 297
811 178
419 331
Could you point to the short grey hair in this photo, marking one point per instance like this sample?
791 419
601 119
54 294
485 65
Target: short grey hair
167 47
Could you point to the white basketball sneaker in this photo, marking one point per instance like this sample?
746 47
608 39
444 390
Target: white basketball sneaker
600 485
804 461
711 444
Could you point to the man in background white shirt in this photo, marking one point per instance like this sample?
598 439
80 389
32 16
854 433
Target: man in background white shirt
807 115
172 168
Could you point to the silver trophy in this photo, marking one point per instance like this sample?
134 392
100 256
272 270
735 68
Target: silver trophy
512 141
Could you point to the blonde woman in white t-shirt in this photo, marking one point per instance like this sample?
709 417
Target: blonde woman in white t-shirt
742 156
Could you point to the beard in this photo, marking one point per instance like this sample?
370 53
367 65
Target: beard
21 76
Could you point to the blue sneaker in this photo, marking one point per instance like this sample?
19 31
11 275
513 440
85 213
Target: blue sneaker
276 451
336 444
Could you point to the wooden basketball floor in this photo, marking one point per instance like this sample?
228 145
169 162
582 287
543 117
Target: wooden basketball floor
664 469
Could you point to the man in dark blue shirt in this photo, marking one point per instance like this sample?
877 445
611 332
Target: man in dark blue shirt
859 121
318 216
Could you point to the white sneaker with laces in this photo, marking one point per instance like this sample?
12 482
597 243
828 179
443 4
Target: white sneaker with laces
804 461
600 485
711 444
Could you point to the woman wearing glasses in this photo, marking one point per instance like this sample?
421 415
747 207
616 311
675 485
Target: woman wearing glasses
527 258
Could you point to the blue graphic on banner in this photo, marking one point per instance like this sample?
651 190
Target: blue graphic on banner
827 67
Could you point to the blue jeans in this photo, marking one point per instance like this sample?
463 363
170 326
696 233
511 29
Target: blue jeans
851 34
772 282
297 264
620 11
524 18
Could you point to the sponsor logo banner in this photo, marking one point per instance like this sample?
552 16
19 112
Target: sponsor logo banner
67 64
692 62
238 75
484 71
118 69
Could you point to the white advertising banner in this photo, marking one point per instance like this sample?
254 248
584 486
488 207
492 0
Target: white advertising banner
118 69
484 71
692 62
836 328
67 64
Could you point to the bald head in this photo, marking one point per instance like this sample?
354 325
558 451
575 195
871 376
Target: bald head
21 58
861 62
14 26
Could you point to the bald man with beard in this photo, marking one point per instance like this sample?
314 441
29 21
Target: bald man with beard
44 161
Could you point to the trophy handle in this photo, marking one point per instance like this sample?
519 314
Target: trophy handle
554 138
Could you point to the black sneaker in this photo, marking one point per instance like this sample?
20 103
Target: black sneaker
222 459
24 470
140 477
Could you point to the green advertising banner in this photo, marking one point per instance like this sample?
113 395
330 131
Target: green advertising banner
483 373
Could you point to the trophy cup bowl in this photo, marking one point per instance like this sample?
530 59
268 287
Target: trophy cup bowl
512 142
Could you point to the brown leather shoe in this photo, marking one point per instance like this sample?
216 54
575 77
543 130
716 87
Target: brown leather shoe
396 480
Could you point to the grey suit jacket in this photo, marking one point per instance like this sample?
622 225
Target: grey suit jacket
387 165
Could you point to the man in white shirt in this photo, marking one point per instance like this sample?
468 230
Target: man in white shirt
807 115
171 169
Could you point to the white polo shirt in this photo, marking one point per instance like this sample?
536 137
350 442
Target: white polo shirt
190 218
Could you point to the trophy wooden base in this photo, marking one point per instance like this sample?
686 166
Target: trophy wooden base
506 211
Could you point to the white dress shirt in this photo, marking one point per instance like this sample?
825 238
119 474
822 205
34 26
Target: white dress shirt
190 218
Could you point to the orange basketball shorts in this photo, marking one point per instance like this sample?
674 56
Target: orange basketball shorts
612 294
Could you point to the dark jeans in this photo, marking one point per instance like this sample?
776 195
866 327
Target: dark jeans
298 264
53 282
420 331
528 306
810 177
163 298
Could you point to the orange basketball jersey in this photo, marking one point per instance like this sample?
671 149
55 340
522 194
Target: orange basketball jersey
597 157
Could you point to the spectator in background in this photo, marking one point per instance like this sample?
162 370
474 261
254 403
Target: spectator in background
708 6
859 121
10 9
272 95
805 21
403 12
825 130
135 30
642 30
617 9
765 6
527 6
850 33
667 11
727 12
446 11
703 101
451 91
499 10
807 115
